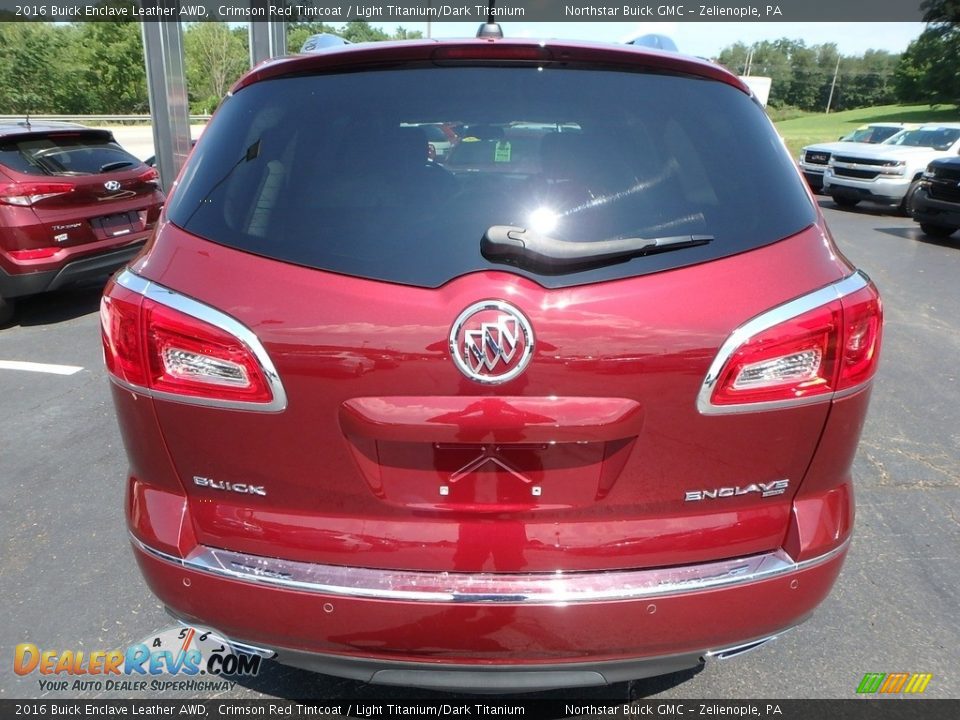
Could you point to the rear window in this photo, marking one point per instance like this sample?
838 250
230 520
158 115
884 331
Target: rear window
76 153
335 171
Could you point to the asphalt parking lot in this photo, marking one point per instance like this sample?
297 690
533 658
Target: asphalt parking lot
68 579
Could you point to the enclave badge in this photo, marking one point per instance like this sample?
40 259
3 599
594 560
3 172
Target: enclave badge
491 342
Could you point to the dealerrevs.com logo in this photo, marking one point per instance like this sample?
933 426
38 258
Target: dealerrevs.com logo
178 658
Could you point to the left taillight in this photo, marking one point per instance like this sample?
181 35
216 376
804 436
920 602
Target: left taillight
26 194
172 347
807 350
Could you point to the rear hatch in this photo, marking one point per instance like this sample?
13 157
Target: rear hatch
382 284
75 186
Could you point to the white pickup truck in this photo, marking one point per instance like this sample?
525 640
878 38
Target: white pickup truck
814 158
890 172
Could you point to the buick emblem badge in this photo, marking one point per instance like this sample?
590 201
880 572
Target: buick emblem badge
491 342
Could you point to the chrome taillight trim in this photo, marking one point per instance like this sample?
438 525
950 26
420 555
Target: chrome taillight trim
201 311
558 588
765 321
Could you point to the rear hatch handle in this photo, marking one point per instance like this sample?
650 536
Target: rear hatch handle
513 245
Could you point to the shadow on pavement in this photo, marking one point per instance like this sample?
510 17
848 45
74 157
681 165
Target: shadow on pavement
827 203
57 307
277 680
953 241
915 233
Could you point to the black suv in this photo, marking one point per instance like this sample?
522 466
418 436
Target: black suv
936 204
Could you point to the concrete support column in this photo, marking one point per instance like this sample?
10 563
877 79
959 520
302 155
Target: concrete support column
167 88
268 39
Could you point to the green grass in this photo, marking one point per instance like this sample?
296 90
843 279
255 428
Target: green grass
819 127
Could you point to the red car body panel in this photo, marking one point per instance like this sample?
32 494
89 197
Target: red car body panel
643 467
385 457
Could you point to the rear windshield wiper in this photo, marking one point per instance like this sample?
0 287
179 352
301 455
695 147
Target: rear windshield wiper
110 167
514 245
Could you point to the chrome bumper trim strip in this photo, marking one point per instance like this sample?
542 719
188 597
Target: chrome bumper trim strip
526 588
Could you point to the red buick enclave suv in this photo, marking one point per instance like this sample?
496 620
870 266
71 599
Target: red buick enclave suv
578 406
73 205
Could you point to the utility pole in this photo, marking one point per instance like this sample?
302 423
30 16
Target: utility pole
836 70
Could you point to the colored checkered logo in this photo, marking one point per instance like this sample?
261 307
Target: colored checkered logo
894 683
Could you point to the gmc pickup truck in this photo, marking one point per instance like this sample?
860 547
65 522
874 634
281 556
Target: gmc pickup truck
889 173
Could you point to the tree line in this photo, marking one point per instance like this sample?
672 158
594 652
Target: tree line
804 75
98 67
808 78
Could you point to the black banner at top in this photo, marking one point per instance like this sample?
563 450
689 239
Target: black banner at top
400 11
488 708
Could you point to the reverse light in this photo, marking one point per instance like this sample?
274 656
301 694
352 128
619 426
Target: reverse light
187 356
25 194
807 350
171 347
799 366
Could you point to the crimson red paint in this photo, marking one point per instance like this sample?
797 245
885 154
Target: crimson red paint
369 433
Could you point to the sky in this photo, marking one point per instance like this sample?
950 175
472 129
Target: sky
703 39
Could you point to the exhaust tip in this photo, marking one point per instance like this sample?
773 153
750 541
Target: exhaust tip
737 650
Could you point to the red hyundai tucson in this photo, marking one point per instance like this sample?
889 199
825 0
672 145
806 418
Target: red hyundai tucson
74 205
578 406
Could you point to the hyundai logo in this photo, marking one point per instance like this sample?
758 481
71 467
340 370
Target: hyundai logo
112 185
491 342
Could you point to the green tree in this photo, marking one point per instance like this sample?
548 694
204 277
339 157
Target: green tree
359 31
111 54
215 57
928 70
401 33
37 68
802 76
806 77
941 11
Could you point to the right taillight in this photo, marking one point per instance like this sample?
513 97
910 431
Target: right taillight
168 346
149 176
804 351
862 329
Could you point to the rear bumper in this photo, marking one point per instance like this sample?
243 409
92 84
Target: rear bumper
84 268
489 631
